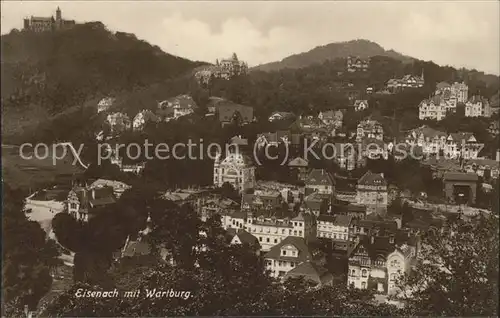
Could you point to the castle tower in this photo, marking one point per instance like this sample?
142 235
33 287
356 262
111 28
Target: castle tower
58 15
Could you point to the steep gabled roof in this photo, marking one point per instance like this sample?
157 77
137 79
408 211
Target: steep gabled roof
319 177
298 162
310 271
304 253
372 179
247 238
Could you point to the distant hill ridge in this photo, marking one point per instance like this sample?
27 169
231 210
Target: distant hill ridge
362 48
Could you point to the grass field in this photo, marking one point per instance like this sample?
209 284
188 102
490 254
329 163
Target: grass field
35 173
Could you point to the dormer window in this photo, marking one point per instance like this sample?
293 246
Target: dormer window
283 252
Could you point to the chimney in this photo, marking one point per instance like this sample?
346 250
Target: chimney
382 174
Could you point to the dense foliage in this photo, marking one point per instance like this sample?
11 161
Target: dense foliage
27 257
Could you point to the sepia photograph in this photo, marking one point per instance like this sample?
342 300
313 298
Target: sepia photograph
250 158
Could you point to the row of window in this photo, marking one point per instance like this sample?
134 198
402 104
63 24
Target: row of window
281 263
335 236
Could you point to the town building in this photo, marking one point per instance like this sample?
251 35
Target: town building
242 237
376 263
317 203
407 81
345 156
460 188
42 24
334 227
237 169
118 187
486 168
105 104
462 145
369 129
276 138
272 227
118 122
360 105
371 191
230 112
299 167
261 199
357 64
431 141
176 107
332 118
458 91
319 180
288 254
143 117
83 203
218 206
477 106
435 108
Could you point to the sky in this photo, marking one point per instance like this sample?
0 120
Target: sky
456 33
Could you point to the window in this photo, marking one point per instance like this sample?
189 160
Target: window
292 264
275 241
260 239
73 205
295 233
267 240
283 252
364 273
363 285
300 233
283 231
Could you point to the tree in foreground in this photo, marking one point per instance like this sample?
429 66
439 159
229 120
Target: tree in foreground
458 274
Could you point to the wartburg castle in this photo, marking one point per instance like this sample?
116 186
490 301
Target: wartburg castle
41 24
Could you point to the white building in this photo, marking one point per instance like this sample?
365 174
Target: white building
377 262
333 227
459 91
430 140
371 191
271 229
360 105
287 255
176 107
477 106
142 118
462 145
236 169
369 129
104 104
434 108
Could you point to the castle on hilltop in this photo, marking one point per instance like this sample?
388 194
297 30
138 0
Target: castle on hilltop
225 69
41 24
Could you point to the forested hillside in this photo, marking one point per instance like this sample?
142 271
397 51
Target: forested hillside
47 73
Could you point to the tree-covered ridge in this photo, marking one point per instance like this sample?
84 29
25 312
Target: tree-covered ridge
362 48
57 70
